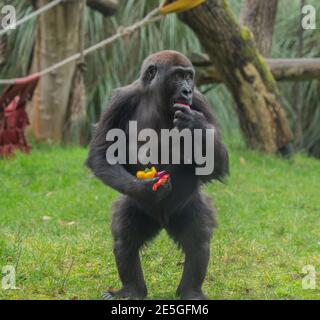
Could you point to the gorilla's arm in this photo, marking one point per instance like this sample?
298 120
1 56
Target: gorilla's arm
221 157
118 113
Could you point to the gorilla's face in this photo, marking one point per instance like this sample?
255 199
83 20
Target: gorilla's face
169 81
179 84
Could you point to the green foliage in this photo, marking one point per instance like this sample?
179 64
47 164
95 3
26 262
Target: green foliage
20 43
285 45
55 228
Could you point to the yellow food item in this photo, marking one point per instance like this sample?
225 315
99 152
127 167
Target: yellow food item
140 174
147 173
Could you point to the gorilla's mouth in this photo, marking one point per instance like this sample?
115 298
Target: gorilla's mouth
181 103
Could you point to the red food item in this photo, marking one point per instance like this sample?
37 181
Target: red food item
178 104
161 173
162 180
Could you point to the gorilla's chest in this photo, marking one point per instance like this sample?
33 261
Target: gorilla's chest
144 136
152 119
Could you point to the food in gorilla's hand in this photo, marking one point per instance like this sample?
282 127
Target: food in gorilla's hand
151 174
147 173
162 180
161 173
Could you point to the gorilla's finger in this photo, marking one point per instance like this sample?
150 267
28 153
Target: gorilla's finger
107 295
167 185
164 190
179 123
181 115
184 109
149 181
178 113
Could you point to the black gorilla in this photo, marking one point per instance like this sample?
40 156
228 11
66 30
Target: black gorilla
179 206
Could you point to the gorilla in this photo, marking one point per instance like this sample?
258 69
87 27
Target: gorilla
164 97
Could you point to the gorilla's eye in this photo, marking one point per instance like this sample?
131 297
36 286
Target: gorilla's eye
179 75
183 75
189 76
151 73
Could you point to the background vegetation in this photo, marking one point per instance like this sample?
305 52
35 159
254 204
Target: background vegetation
119 64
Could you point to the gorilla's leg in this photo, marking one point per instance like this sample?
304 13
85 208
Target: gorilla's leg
191 229
131 228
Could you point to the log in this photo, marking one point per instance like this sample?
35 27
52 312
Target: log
297 69
106 7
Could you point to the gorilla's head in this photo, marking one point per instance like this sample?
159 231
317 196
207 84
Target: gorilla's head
169 77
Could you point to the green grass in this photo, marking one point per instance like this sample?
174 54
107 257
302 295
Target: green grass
268 216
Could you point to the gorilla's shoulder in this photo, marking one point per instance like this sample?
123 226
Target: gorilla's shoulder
135 88
126 97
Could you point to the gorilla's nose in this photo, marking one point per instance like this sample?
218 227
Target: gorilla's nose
186 93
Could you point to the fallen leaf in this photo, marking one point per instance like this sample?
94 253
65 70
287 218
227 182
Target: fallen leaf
66 223
242 160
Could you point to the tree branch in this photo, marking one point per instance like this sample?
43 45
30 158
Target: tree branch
298 69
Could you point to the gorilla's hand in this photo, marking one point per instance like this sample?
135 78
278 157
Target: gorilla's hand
185 117
163 190
143 191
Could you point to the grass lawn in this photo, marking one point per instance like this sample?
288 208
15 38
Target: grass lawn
55 229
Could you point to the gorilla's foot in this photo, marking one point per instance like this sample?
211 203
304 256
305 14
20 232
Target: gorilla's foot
191 295
133 293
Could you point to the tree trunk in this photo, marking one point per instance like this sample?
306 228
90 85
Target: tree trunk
259 16
232 50
57 38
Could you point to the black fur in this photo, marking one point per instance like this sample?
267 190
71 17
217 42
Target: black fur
179 206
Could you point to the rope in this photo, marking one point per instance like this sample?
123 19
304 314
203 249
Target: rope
82 34
149 18
33 14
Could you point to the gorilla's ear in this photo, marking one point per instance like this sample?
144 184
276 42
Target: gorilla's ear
149 74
